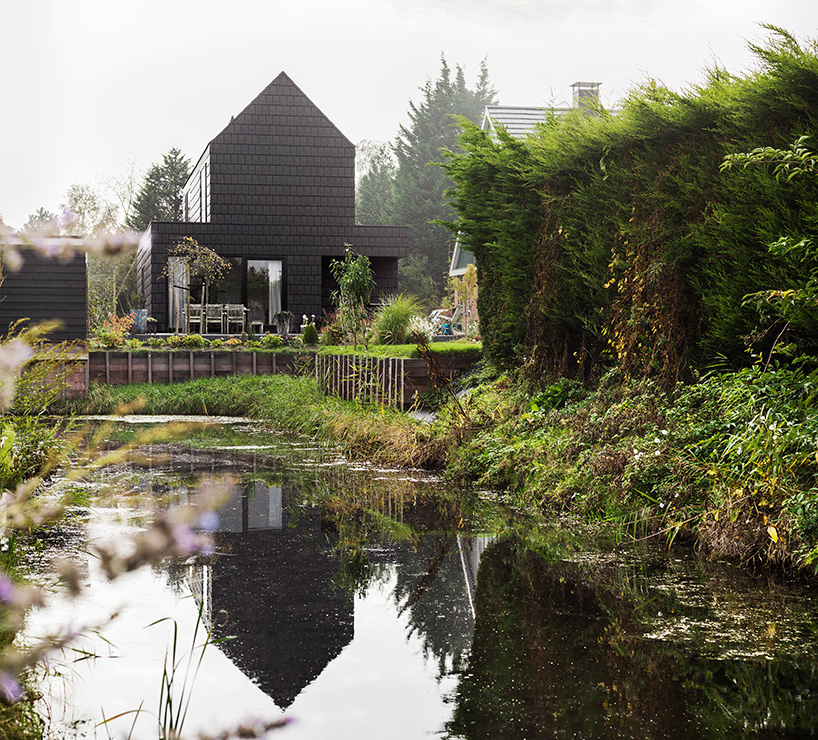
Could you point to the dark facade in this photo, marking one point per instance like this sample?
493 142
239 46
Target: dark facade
276 187
47 289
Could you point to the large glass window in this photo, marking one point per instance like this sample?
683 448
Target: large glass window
264 289
227 290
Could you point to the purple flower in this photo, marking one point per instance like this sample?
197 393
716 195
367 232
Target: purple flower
10 689
184 539
8 591
209 521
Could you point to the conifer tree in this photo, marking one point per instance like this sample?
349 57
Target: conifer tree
375 191
160 196
420 184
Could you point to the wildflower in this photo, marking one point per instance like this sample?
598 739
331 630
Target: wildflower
10 688
208 521
8 591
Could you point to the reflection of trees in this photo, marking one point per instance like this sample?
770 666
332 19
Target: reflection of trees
382 521
559 650
431 590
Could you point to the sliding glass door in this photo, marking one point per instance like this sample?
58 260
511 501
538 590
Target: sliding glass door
264 290
178 288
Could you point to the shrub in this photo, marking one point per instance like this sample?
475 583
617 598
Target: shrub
272 341
332 332
390 324
310 336
113 330
195 341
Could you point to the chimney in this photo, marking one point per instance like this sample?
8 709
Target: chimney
586 94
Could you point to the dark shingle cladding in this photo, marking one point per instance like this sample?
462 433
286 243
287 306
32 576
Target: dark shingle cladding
277 183
46 289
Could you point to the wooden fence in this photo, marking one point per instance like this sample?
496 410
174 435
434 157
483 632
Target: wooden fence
391 381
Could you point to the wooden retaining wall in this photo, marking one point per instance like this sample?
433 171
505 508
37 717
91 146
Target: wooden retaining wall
120 368
389 380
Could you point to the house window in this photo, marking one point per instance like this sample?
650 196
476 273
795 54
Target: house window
226 290
264 289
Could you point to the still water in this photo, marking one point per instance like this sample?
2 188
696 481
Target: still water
365 603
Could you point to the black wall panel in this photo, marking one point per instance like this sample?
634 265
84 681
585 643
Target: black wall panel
47 289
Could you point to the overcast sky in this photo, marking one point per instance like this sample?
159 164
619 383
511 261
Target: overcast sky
92 85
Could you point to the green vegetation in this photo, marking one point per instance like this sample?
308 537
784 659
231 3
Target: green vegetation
390 324
356 281
727 462
292 403
608 239
408 190
160 196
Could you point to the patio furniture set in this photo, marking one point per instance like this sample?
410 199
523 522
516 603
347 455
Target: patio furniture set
226 317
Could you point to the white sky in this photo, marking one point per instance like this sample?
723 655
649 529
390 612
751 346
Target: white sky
91 85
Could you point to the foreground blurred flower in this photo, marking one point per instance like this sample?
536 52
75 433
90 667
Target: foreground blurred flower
13 355
10 689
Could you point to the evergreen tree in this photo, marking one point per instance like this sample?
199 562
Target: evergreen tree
376 186
39 220
160 196
420 185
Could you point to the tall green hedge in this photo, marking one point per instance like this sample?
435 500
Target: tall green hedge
615 238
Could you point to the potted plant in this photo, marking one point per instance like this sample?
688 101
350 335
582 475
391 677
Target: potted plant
139 313
282 321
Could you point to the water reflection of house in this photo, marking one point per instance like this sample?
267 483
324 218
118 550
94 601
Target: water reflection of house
272 586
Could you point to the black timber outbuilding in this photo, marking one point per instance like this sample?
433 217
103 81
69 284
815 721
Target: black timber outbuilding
274 193
46 289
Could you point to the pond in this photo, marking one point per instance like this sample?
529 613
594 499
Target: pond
365 603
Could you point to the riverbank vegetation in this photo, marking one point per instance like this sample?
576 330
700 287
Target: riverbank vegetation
727 462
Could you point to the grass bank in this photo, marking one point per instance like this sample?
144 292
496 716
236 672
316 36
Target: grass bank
728 462
296 404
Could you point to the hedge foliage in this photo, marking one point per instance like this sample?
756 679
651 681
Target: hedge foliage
614 238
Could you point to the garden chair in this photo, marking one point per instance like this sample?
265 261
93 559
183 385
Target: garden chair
235 314
194 316
214 314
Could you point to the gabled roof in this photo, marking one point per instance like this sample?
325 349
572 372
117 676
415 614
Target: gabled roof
519 121
280 95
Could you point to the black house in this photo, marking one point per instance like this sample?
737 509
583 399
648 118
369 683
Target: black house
274 193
